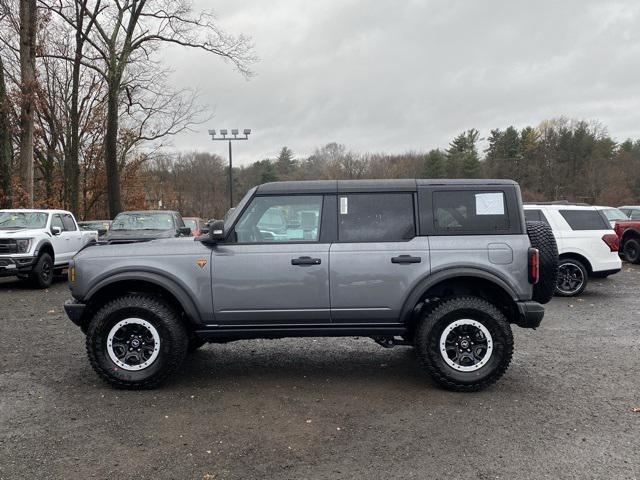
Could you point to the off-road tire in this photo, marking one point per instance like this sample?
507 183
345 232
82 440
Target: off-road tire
542 238
631 251
431 326
42 274
174 341
585 277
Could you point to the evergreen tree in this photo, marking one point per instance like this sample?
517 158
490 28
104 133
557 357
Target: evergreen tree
285 163
435 164
462 155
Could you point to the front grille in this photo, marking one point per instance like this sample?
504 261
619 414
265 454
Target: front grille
5 262
8 246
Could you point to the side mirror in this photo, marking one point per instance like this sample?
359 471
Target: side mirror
102 232
56 230
216 231
185 231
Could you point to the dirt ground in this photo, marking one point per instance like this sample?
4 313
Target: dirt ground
326 408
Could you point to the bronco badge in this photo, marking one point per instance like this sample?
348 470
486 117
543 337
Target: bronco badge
201 262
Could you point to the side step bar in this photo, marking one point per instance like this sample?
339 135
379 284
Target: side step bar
280 331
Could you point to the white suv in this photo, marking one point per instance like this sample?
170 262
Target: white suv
587 245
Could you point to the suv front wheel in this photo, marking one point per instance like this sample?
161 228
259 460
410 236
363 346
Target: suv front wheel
465 343
136 341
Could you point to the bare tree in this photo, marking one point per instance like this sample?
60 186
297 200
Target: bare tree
5 144
28 15
124 34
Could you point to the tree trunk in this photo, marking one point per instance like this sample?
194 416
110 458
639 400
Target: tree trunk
5 145
72 162
27 87
111 152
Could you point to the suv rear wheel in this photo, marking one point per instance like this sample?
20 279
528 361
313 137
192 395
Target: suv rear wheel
136 341
572 278
465 343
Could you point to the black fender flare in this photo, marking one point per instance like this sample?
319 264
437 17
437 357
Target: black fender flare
434 278
44 243
161 280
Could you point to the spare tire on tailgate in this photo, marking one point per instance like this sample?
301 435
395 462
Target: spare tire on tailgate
542 238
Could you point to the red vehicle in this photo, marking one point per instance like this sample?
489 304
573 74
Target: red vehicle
628 232
196 224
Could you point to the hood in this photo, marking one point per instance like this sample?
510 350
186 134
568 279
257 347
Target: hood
145 248
138 235
22 232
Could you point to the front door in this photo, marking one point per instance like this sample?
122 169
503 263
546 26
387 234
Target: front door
61 241
273 269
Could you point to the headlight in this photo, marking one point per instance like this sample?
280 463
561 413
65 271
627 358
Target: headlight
24 244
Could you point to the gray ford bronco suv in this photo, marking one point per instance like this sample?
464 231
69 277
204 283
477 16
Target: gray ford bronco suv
446 266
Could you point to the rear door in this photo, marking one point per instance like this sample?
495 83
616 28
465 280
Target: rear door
71 234
377 258
274 269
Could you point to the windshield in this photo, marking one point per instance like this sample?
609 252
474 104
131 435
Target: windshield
143 221
614 214
12 220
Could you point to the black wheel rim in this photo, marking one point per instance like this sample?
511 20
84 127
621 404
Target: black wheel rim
133 344
466 345
570 278
45 271
631 251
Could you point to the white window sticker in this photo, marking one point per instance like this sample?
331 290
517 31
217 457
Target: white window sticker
489 203
344 206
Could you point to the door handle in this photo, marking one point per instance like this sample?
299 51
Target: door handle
305 261
406 259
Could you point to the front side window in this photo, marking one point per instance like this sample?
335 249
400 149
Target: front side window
585 220
56 221
470 211
376 217
292 218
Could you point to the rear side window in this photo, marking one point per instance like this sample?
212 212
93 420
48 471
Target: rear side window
535 216
376 217
585 220
470 211
69 224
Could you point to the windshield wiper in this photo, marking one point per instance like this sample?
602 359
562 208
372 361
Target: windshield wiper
11 228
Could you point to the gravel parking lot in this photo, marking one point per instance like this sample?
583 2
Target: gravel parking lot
326 408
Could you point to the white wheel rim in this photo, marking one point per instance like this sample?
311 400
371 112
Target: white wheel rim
479 360
135 346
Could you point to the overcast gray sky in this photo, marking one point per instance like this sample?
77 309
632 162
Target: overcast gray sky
393 76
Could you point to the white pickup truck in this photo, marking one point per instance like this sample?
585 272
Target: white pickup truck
36 244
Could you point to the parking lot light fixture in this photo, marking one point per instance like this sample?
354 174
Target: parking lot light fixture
223 132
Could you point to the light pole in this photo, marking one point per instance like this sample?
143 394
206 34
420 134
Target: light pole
234 136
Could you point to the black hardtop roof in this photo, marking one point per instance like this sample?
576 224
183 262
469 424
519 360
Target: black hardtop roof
383 185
